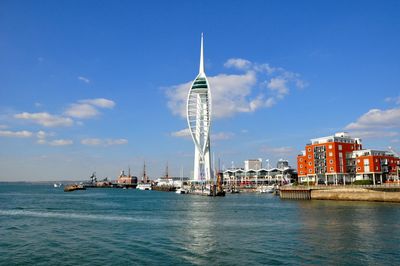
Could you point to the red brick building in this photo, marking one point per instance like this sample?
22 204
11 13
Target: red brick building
340 159
378 166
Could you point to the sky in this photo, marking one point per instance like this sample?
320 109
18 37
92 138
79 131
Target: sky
100 86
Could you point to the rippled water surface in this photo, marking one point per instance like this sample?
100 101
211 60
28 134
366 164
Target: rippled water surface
42 225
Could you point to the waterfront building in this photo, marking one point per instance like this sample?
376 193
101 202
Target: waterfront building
283 174
124 179
199 122
281 164
334 160
378 166
253 164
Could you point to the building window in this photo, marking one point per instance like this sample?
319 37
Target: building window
301 166
358 168
330 154
331 161
340 147
330 146
309 149
331 169
358 160
310 171
376 168
301 159
310 163
376 160
309 156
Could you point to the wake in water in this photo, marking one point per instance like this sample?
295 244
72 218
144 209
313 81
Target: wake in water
45 214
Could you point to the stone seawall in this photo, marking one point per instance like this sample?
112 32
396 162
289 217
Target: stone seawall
358 194
381 193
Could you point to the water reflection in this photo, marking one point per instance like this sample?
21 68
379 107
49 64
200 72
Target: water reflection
348 231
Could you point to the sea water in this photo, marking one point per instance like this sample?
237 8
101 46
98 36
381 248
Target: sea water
43 225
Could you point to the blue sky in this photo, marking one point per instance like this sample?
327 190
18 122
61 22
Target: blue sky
99 85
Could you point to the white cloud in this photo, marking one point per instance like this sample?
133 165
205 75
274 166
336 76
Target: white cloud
42 137
376 118
238 63
116 142
184 133
82 110
100 102
279 86
396 100
45 119
16 134
61 142
229 95
371 134
103 142
84 79
260 86
91 142
88 108
270 102
222 136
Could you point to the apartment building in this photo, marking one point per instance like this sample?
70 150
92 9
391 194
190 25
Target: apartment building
378 166
340 159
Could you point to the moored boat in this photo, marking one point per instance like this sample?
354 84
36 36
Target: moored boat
181 191
267 189
144 186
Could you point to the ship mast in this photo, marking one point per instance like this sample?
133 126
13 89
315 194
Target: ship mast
144 172
166 171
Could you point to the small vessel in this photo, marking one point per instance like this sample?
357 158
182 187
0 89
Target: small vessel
267 189
181 191
144 186
74 187
57 185
234 190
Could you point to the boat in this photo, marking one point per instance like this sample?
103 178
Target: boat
74 187
57 185
234 190
144 186
181 191
267 189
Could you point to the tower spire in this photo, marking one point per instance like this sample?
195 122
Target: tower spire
201 68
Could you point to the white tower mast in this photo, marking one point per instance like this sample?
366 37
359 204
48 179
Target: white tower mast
199 121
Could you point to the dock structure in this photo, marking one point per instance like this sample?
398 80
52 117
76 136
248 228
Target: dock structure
295 193
382 193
